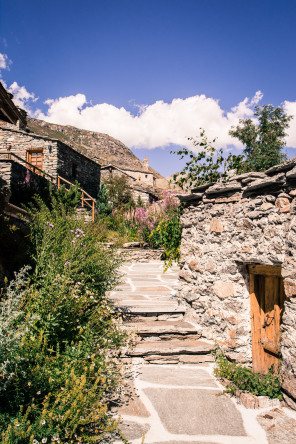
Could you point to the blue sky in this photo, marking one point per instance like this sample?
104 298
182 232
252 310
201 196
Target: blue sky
150 73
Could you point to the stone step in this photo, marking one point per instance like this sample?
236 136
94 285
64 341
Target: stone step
153 312
203 360
152 309
163 327
171 348
164 330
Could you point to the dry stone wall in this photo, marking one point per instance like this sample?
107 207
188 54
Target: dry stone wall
249 220
140 254
58 158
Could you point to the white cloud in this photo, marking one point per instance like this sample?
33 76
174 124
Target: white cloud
21 96
156 125
4 61
290 109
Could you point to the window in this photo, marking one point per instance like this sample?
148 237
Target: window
74 170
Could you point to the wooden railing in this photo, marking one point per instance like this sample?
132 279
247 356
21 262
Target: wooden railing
11 156
86 199
16 212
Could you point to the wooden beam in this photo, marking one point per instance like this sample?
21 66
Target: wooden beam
265 270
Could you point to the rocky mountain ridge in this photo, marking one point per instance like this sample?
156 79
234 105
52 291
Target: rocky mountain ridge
100 147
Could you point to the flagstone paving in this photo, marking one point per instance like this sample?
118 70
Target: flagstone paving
173 397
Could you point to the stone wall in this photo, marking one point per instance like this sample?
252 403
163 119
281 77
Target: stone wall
20 183
58 158
145 177
106 175
248 220
140 254
145 196
135 185
87 171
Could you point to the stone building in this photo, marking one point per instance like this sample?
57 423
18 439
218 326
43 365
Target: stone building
40 154
140 181
238 268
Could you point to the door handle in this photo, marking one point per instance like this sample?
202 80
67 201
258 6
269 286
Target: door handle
267 318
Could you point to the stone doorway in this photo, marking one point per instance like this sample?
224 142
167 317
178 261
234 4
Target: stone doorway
267 299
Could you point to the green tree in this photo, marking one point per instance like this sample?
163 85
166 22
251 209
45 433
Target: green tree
119 192
209 165
264 140
103 206
139 201
69 198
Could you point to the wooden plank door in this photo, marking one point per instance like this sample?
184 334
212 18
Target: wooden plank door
35 158
267 304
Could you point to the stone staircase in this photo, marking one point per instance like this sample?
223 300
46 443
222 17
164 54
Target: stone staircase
83 213
150 307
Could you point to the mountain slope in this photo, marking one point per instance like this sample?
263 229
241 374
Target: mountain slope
100 147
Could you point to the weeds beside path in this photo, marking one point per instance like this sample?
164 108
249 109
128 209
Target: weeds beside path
60 336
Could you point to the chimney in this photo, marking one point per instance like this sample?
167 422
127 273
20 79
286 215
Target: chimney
145 163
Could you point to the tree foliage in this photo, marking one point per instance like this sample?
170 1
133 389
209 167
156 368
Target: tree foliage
68 198
119 192
264 140
103 206
209 165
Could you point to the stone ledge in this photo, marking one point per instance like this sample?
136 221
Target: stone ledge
250 401
252 182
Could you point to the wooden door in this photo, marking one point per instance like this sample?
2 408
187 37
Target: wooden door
267 298
35 158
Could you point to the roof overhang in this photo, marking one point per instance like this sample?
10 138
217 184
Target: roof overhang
8 109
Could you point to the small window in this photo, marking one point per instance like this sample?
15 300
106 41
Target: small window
74 170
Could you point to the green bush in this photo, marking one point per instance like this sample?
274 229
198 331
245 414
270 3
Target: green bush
69 198
242 378
61 337
167 235
103 207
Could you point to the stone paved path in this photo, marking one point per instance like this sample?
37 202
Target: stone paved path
183 404
145 285
175 403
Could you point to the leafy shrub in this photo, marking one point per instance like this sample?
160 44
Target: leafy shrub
242 378
69 198
157 224
209 165
119 192
60 361
167 234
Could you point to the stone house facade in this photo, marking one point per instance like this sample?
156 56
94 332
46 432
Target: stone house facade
52 157
41 154
140 188
238 268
